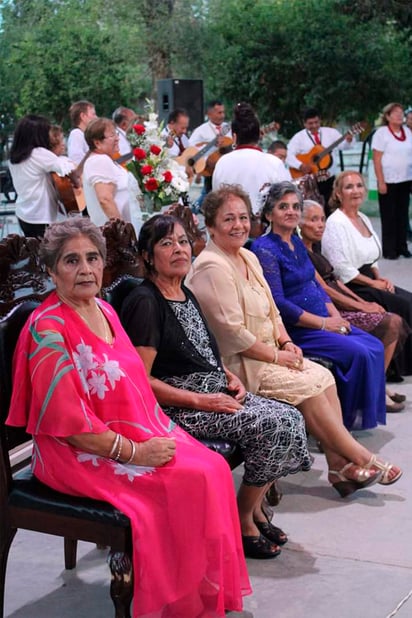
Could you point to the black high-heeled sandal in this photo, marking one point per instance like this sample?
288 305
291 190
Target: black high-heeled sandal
271 532
259 547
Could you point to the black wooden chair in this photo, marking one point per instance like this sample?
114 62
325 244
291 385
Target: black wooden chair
28 504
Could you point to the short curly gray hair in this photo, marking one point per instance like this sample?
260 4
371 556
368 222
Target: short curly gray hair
57 234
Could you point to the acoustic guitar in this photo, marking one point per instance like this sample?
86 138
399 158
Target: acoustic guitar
195 157
72 198
319 157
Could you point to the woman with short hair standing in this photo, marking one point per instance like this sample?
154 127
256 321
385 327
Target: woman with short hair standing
392 158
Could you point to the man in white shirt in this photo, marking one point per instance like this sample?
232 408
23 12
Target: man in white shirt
123 118
214 127
175 132
312 135
81 113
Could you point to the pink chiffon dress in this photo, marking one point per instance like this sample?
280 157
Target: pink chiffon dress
187 550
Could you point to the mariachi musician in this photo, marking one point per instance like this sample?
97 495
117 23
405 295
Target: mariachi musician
303 142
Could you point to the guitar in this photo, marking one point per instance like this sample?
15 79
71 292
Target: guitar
72 198
194 157
227 146
319 157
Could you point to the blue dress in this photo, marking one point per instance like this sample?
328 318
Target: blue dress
358 361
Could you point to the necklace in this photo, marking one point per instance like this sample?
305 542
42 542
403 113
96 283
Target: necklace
106 330
401 137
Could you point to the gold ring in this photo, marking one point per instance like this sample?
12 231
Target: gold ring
296 363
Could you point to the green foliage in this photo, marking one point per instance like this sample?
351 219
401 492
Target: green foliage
347 57
57 52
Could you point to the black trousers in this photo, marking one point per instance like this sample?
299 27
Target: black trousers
32 230
325 189
394 212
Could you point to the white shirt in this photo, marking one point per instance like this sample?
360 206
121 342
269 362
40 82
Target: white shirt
251 169
207 132
174 150
302 143
397 155
36 197
102 168
76 145
345 247
124 144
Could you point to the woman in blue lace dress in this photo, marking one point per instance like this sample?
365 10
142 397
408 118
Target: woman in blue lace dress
312 320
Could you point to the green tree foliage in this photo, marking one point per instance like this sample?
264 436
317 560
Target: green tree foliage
347 57
56 52
289 55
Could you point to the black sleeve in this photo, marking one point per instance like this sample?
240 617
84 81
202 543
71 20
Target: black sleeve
140 316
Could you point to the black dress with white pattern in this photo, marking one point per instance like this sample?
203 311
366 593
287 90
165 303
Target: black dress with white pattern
271 434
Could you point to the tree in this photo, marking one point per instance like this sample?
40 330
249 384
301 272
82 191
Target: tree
288 55
58 52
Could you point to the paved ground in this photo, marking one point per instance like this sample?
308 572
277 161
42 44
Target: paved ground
347 558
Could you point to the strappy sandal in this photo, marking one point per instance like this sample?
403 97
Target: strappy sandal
271 532
259 547
385 467
346 486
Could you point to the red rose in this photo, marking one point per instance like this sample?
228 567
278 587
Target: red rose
139 154
139 129
155 149
168 176
146 170
151 184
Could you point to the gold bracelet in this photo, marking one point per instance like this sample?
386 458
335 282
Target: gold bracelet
132 444
323 326
285 343
119 450
275 355
114 445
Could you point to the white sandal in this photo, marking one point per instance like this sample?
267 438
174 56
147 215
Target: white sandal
386 467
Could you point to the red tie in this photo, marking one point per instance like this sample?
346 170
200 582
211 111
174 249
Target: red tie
316 138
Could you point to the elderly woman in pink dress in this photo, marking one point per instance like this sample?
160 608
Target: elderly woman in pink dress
82 392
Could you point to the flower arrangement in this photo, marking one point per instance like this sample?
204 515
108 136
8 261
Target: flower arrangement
160 178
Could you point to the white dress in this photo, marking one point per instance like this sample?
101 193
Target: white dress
102 168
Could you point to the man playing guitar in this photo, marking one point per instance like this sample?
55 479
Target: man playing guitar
207 132
305 140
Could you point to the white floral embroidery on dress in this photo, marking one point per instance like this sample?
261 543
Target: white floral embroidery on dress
94 374
120 469
132 471
82 457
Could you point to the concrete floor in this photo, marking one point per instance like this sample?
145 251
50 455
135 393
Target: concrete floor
346 558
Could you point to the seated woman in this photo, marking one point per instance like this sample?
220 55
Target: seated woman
313 321
236 300
109 189
390 328
82 392
31 162
165 323
352 247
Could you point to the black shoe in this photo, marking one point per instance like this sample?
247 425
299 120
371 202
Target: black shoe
406 253
273 533
259 547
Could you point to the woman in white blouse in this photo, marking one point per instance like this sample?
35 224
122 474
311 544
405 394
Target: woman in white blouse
110 190
392 158
352 247
31 162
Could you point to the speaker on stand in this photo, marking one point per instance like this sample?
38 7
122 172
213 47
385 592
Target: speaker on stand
186 93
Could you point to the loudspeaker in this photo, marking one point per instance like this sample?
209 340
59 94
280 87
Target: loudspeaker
186 93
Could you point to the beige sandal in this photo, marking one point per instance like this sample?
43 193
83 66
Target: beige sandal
386 467
346 486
